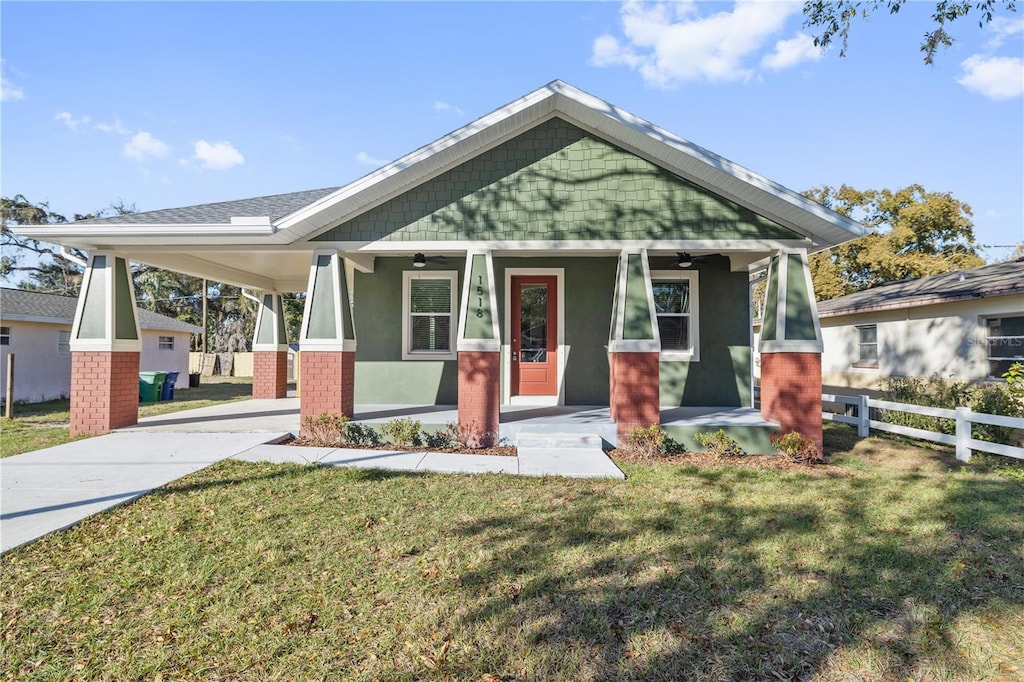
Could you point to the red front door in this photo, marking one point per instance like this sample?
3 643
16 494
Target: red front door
534 335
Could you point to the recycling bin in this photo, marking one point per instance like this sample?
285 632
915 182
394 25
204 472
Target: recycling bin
167 390
150 386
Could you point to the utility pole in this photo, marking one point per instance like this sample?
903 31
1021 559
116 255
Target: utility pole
206 323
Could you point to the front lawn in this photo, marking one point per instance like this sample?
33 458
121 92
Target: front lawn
42 425
899 564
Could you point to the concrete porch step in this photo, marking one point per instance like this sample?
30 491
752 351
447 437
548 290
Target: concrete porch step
558 440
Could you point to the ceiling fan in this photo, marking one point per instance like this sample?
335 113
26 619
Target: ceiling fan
685 260
420 261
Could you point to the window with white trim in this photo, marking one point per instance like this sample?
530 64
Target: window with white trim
64 342
675 304
5 336
428 315
867 346
165 343
1004 344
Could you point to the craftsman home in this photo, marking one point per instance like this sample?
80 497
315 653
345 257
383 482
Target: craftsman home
557 251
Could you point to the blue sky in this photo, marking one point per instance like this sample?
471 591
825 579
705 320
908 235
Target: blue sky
183 103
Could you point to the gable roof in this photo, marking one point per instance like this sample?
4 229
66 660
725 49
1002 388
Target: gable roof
260 222
18 305
998 279
274 207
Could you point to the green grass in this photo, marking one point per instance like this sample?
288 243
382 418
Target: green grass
42 425
901 565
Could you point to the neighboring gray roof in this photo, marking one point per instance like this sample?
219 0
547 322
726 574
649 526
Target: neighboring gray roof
998 279
275 207
34 306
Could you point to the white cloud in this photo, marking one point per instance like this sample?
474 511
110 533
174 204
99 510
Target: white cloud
992 213
1003 28
115 127
70 121
672 43
143 145
9 92
218 155
993 77
366 159
445 107
792 52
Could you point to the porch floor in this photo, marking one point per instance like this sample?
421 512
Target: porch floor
577 419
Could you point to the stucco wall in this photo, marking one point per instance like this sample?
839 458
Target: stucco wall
153 359
722 375
945 340
41 373
382 377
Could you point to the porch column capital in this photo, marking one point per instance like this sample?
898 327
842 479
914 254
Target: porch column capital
478 318
634 326
105 317
790 323
270 334
327 318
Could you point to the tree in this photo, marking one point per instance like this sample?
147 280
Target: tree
232 316
915 233
38 260
834 17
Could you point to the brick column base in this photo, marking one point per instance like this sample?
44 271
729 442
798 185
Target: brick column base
270 374
636 391
104 391
328 383
791 392
479 397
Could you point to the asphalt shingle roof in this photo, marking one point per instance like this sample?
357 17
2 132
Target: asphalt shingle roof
276 207
998 279
17 303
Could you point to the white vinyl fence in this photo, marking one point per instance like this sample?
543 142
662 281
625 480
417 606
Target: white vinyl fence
961 440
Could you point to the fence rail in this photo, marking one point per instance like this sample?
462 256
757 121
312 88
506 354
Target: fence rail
963 417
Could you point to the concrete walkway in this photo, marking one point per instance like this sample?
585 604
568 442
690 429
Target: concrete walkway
49 490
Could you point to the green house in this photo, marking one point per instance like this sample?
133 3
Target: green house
558 256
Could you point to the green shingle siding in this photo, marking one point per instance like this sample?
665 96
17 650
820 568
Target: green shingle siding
556 182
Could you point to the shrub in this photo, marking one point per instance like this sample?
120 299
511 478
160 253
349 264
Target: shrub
1015 379
796 447
719 444
403 432
326 430
472 435
646 441
361 434
993 398
441 439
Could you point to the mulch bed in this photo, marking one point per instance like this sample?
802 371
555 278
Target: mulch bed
498 451
701 459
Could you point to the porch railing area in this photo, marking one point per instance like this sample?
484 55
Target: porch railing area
861 407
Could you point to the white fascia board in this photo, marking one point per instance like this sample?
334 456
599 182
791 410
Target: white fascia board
660 146
611 247
421 164
131 234
39 319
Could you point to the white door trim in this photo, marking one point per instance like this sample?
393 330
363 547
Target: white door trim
506 366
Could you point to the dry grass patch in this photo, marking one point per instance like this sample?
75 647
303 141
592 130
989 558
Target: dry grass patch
681 572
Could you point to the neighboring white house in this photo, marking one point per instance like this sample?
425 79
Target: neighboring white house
36 327
966 325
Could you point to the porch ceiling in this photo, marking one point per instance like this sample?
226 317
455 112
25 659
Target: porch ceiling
288 270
